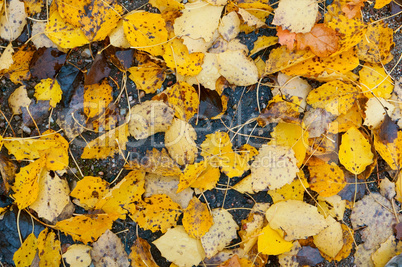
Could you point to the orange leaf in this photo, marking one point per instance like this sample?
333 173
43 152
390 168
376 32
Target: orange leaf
322 40
352 9
286 37
327 179
141 254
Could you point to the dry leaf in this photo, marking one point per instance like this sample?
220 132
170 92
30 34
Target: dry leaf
78 255
184 99
197 219
376 110
199 175
326 179
322 41
103 255
140 255
263 42
330 240
13 20
97 97
6 58
229 26
88 191
386 251
19 99
375 82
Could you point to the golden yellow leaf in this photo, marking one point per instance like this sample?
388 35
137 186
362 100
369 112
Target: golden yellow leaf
197 219
263 42
86 228
96 98
184 99
48 89
326 179
387 250
146 31
26 253
271 242
19 70
107 144
128 190
33 6
72 10
178 58
148 76
199 175
390 152
250 230
48 249
163 5
89 191
355 151
336 97
78 255
343 122
180 142
26 186
381 3
295 190
141 253
215 145
148 118
375 81
63 34
330 240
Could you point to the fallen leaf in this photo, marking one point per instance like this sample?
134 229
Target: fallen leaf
376 110
13 20
381 3
330 240
197 219
140 255
249 19
19 70
271 242
117 37
148 76
48 89
178 247
96 98
78 255
353 8
99 70
229 26
209 74
103 255
199 175
298 219
375 82
288 259
220 234
326 179
48 248
6 58
263 42
309 256
163 5
295 190
46 63
184 99
19 99
26 253
386 251
297 16
88 191
355 151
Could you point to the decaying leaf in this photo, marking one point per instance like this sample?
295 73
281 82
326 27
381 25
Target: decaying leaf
13 20
6 58
322 41
229 26
298 219
184 99
178 247
148 76
376 110
103 255
148 118
96 98
78 255
197 219
19 99
140 255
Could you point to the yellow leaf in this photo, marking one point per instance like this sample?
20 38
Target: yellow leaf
216 145
381 3
141 253
387 250
48 249
330 240
184 99
209 74
197 219
148 118
128 190
148 76
293 136
343 122
56 155
390 152
158 212
271 242
33 6
375 81
295 190
48 89
348 243
86 228
327 179
53 196
26 253
146 31
89 190
63 34
229 27
72 10
180 142
107 144
336 97
163 5
199 175
96 98
19 99
355 151
6 58
178 58
26 186
263 42
19 70
78 255
250 230
376 46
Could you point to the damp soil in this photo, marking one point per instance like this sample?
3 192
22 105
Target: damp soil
243 105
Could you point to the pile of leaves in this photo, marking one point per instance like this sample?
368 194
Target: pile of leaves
333 109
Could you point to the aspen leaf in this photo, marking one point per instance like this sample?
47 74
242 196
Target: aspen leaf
26 186
177 57
63 34
281 58
249 19
19 70
237 68
381 3
273 167
72 10
19 99
86 228
148 118
235 261
109 250
352 8
333 206
250 230
215 145
220 234
6 58
199 175
322 41
146 31
107 144
348 243
295 190
229 27
88 191
263 42
140 255
196 218
375 81
326 179
57 151
117 37
193 24
184 99
178 247
298 219
26 253
48 89
179 141
376 110
48 249
376 46
271 242
78 255
209 74
157 212
355 151
148 76
386 251
289 259
33 7
13 20
53 196
330 240
96 98
390 151
297 16
163 5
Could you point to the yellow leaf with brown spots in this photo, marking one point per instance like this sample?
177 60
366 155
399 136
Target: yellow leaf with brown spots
72 10
163 5
96 98
89 191
19 70
326 179
157 213
26 253
199 175
375 81
141 253
146 31
48 248
197 219
148 76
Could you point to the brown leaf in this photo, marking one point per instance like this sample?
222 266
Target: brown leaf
46 62
99 70
322 40
141 254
